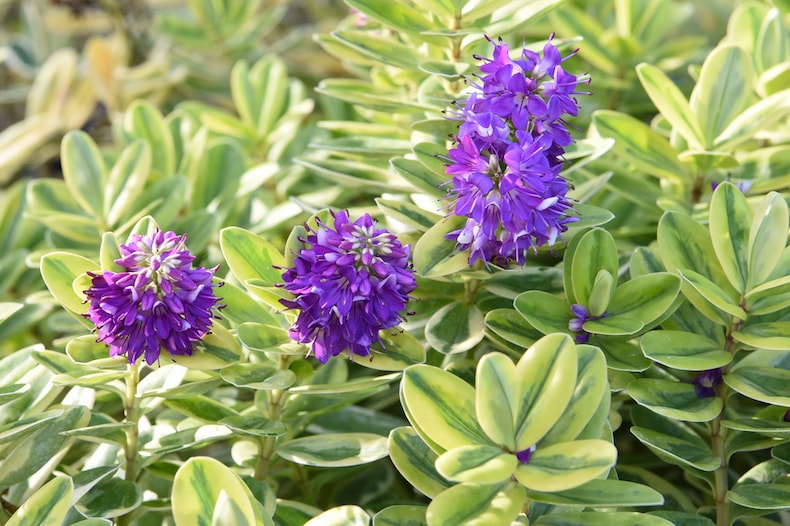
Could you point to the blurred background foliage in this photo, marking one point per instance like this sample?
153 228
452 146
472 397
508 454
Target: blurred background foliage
206 114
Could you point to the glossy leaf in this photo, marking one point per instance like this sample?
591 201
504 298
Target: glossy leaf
566 465
476 505
589 396
434 255
640 145
59 270
609 518
723 89
546 312
672 104
674 400
600 493
401 515
84 171
335 450
730 224
341 516
455 328
415 461
442 406
476 464
496 400
645 298
684 350
250 256
595 252
672 441
769 335
546 375
46 507
111 497
713 293
767 238
197 486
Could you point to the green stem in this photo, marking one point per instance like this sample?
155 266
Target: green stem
131 409
266 446
718 435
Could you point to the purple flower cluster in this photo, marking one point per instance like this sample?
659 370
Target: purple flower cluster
507 161
351 281
158 302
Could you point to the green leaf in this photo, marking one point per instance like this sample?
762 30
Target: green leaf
256 426
496 400
477 464
769 335
85 350
730 223
641 146
672 441
341 516
441 406
250 256
334 450
645 298
759 116
509 324
602 493
761 496
546 312
126 181
476 505
223 156
12 392
566 465
613 326
601 293
672 104
46 507
415 461
142 120
399 351
59 270
401 515
684 350
455 328
408 213
398 16
546 377
197 487
262 337
713 293
202 408
763 376
674 399
421 176
41 446
260 92
595 252
84 171
767 238
608 518
382 50
219 348
590 396
723 90
435 255
258 376
111 498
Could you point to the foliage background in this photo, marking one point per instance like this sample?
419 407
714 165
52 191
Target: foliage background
237 122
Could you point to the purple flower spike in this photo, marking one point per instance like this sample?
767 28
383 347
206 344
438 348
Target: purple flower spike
506 165
705 384
576 324
158 302
351 281
786 416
